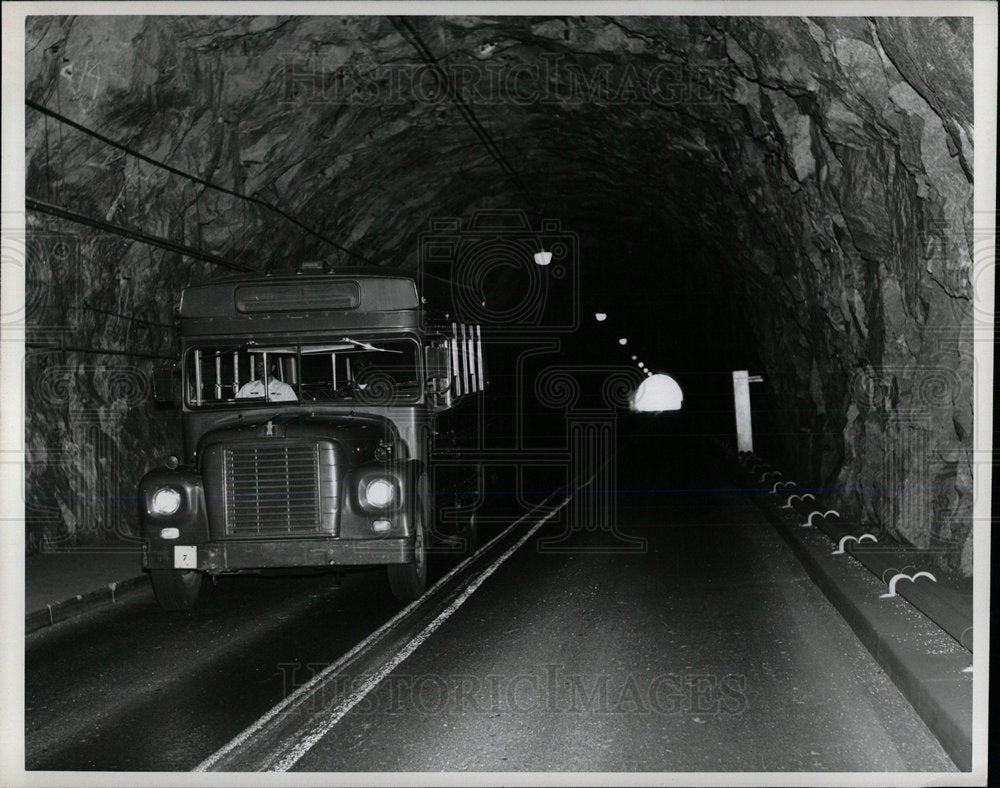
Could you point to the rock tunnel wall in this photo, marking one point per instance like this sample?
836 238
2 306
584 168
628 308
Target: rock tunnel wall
824 167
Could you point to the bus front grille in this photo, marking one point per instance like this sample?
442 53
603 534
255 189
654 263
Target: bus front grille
273 489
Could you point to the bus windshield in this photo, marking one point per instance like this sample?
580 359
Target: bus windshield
357 369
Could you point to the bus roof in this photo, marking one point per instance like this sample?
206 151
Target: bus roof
355 298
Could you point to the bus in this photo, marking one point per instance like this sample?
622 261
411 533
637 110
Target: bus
309 406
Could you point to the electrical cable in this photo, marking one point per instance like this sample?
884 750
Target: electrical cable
135 235
88 308
194 178
411 35
95 351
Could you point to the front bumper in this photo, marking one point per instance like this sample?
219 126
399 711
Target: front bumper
233 556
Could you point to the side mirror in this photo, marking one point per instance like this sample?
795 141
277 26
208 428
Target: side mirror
437 380
436 385
167 385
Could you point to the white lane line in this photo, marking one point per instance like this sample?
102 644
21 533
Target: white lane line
305 744
303 693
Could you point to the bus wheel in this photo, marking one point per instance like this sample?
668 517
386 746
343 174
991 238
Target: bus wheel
175 589
408 581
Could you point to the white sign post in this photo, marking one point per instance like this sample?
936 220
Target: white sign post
741 396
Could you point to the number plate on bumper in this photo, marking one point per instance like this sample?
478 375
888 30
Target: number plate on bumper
185 557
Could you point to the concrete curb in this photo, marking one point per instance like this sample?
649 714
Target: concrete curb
923 661
933 683
68 608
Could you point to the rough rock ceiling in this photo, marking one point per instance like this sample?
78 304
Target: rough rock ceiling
813 173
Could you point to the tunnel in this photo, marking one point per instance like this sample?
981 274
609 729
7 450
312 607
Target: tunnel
790 196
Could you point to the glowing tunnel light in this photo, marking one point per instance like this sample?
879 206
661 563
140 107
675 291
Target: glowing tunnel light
600 317
623 341
658 393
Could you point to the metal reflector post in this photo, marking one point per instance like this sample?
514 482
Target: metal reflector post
741 397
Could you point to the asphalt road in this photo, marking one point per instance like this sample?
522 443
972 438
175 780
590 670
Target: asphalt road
708 649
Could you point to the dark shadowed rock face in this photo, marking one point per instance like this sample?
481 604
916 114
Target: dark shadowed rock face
820 167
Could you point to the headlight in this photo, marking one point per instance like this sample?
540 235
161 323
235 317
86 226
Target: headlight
379 492
166 500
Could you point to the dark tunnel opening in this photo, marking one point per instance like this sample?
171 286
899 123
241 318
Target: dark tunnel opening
788 196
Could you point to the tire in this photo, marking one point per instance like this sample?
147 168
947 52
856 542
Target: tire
408 581
175 589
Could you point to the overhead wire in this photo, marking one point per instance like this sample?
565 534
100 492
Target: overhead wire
96 351
412 36
193 178
135 235
122 316
409 33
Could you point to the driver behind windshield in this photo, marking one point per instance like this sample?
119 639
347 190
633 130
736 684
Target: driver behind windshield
277 390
